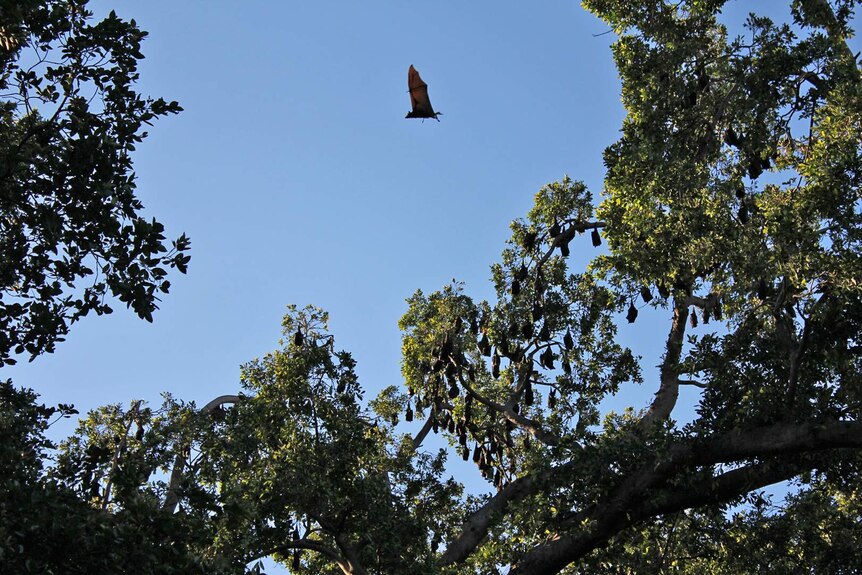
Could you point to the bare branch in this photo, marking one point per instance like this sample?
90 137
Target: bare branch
693 382
668 392
420 437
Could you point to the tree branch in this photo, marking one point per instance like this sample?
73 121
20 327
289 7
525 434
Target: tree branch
668 392
773 440
553 556
420 437
172 494
476 526
597 524
821 12
317 546
531 426
121 447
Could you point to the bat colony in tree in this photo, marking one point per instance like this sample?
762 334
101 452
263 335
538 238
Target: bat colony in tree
419 97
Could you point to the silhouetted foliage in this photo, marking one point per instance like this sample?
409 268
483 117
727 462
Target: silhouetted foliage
71 229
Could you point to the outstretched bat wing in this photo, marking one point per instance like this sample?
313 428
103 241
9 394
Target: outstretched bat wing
419 96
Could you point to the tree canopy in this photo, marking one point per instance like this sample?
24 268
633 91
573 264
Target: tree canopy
730 217
71 231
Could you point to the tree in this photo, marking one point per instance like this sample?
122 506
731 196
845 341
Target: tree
730 212
47 528
71 231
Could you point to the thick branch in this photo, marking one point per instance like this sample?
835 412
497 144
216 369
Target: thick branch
668 392
627 503
349 551
317 546
780 439
718 489
553 556
477 525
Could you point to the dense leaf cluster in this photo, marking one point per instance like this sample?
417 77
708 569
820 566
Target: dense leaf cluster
71 228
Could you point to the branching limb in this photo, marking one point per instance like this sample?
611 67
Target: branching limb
553 556
566 236
172 495
668 392
531 426
610 515
476 526
629 503
352 556
346 567
133 413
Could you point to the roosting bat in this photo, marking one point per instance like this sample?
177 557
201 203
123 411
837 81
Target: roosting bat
419 97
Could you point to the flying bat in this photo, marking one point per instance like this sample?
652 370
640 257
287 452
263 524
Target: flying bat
419 97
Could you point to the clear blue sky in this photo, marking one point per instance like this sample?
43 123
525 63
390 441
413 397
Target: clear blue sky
299 181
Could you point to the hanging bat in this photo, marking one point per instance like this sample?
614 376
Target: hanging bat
419 97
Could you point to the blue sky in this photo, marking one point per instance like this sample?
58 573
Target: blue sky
299 181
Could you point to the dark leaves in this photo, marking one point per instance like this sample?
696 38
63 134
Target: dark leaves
68 184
